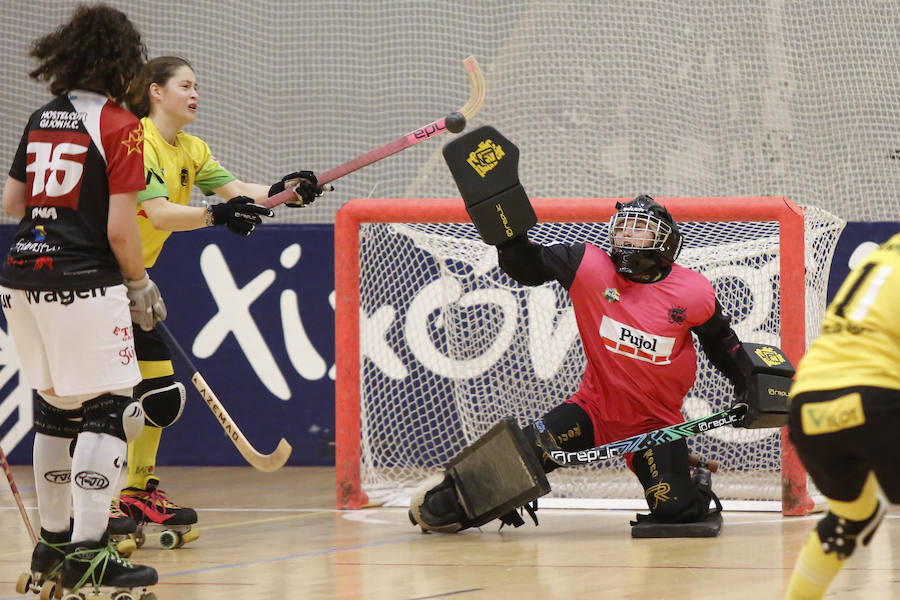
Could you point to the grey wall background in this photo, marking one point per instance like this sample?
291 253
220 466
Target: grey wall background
603 98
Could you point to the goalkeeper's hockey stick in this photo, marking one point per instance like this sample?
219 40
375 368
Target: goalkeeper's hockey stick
454 122
15 493
263 462
638 442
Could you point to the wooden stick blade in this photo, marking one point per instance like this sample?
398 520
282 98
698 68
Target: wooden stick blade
263 462
267 463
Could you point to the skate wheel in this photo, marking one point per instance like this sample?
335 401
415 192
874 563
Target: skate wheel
170 539
122 596
139 538
148 596
23 584
126 547
189 536
49 590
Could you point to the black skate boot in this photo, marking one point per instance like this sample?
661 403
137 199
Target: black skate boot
120 524
46 562
122 529
99 567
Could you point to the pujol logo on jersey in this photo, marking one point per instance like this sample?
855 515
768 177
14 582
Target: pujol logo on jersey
632 342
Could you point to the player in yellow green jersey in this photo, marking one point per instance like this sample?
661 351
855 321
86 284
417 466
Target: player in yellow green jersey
166 99
845 412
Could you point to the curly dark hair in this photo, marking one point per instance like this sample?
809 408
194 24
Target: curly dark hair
158 71
99 49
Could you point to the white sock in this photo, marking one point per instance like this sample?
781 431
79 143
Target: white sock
52 466
96 467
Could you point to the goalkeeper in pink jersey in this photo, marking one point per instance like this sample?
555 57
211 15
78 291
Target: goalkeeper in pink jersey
636 311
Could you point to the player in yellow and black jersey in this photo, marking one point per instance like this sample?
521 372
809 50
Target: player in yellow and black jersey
166 99
845 411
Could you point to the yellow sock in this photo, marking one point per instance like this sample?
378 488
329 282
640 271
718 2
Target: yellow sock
142 451
815 570
142 457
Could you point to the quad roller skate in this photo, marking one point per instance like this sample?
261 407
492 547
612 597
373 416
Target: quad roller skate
46 565
154 512
93 569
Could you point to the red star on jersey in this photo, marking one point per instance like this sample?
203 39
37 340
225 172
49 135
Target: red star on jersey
135 141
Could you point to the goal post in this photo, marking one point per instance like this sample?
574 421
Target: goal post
434 343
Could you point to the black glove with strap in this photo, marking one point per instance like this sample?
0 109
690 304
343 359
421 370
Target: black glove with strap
305 185
240 214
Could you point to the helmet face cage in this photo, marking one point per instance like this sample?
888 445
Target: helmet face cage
639 230
648 237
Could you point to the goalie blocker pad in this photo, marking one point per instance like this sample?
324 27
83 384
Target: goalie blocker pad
496 474
485 166
769 375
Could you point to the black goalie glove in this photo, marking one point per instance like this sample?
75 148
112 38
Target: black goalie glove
305 185
240 214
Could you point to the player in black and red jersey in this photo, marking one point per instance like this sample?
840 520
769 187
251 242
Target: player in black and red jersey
72 271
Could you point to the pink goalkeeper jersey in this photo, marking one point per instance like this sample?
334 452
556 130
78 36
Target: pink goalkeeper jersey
640 353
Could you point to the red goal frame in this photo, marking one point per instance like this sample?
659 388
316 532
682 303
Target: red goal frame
795 497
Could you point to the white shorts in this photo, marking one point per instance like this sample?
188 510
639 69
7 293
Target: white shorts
74 342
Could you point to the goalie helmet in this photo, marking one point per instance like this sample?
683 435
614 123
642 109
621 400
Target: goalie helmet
644 238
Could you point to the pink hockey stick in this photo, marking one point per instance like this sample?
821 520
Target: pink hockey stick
15 493
457 122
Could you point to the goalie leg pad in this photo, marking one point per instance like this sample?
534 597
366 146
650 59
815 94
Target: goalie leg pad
673 495
485 166
679 502
768 375
487 480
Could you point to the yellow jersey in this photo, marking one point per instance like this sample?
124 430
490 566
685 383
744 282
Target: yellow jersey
860 340
170 172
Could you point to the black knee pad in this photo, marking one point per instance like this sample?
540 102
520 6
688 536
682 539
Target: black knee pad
56 422
841 536
665 474
162 399
118 416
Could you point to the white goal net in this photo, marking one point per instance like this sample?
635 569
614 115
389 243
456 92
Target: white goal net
449 345
616 97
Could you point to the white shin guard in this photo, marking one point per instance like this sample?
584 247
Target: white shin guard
52 475
96 467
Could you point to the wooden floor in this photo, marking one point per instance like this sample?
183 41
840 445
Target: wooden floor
269 536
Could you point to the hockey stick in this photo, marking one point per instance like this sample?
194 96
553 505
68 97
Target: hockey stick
640 441
15 493
455 122
263 462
